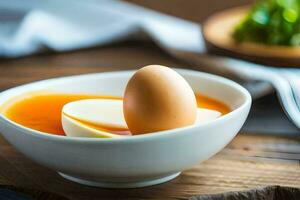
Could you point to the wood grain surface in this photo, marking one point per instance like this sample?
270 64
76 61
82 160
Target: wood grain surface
249 161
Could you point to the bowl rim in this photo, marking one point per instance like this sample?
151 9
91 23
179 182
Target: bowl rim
148 136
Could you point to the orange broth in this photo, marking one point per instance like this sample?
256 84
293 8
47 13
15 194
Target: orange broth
42 110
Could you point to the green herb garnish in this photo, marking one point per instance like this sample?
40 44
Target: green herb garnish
272 22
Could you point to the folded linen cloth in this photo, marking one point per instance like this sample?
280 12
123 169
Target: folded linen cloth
30 26
66 25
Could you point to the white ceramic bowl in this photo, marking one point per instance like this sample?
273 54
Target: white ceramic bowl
134 161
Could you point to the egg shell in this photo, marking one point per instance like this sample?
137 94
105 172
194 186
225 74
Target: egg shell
158 98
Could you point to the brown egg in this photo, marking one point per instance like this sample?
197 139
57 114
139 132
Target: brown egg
158 98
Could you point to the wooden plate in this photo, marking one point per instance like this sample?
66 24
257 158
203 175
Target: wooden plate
217 31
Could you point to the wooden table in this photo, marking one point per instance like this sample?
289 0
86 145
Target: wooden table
248 161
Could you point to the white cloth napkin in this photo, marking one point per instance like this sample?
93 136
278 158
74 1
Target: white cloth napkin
65 25
29 26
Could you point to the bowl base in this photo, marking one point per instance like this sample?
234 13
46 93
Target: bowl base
107 184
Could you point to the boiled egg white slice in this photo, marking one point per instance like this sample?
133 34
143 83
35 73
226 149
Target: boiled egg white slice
81 118
75 128
206 115
84 117
101 112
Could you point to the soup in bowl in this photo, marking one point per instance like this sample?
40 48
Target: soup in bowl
117 158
